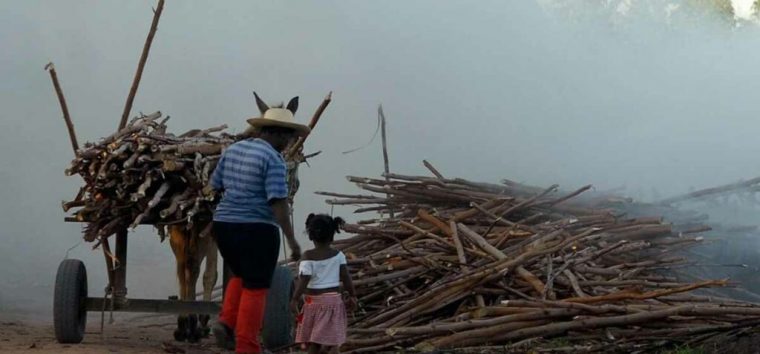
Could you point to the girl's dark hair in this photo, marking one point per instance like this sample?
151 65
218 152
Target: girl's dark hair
323 227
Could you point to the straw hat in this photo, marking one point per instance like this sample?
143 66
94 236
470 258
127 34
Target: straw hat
278 117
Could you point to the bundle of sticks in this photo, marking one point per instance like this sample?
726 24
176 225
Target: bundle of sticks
143 174
452 263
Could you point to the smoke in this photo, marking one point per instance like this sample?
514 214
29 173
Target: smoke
503 89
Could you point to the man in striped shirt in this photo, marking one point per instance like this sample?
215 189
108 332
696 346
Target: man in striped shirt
251 175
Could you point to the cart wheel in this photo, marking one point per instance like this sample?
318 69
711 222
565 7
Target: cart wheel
69 309
278 320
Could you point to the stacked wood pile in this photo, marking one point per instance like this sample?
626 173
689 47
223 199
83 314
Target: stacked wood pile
142 174
466 264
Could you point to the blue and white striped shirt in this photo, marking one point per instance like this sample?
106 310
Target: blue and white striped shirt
250 173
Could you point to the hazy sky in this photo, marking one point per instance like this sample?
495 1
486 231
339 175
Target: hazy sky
501 89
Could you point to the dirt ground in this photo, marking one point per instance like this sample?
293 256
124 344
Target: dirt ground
128 334
151 333
748 344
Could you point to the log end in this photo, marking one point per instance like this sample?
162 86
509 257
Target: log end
425 347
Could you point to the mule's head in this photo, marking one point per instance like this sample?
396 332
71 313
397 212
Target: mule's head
263 107
282 134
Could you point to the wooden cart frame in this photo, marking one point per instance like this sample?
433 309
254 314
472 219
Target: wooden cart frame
72 303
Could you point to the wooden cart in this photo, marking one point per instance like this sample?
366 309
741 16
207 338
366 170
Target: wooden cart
71 300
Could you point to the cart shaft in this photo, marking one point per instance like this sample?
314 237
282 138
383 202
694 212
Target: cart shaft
154 306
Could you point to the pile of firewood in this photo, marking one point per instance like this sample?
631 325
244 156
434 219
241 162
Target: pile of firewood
142 174
455 264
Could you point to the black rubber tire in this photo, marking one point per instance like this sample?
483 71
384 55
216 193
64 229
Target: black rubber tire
278 320
69 304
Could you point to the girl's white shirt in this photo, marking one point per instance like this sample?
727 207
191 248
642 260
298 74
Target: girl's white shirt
324 273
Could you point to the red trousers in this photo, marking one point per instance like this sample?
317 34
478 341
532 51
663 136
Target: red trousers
243 311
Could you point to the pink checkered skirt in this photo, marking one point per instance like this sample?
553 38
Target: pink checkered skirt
323 320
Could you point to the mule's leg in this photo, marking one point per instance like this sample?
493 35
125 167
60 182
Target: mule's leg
193 331
209 281
178 243
181 332
192 272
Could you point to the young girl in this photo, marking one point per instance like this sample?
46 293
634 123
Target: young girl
322 323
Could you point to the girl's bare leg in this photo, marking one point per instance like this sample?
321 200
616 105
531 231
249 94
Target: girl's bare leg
313 348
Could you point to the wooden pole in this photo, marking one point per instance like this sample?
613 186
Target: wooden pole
62 100
141 64
432 169
457 243
381 115
710 191
320 110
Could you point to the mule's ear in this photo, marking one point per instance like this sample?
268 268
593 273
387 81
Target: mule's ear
262 106
293 105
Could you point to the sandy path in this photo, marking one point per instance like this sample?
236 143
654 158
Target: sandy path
129 334
150 333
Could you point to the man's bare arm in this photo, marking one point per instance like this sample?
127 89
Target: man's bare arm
281 211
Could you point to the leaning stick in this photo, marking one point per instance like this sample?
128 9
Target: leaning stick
445 328
633 295
321 109
571 195
499 255
313 123
476 335
523 204
481 242
710 191
381 115
141 64
457 243
432 169
64 108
